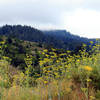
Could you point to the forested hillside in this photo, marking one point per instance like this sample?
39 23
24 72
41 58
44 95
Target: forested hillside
17 50
68 40
58 38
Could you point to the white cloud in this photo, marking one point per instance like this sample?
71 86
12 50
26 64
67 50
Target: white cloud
78 16
83 22
92 4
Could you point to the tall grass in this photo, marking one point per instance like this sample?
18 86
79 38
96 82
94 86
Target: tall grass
62 77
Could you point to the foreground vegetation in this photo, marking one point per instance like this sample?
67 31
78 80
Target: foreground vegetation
58 76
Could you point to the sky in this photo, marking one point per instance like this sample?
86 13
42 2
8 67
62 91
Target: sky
80 17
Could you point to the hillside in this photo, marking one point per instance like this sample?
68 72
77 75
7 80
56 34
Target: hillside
65 35
17 50
22 32
60 39
68 40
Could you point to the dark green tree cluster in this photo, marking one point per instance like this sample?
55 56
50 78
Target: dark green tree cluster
60 39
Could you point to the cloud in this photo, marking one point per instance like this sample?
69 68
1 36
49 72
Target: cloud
92 4
53 14
83 22
32 11
36 11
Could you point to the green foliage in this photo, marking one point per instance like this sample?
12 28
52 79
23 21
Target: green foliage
53 74
58 39
17 49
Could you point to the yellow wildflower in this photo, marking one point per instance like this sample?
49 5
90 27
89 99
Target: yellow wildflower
88 80
43 53
47 55
91 42
48 71
88 68
66 66
78 60
92 97
45 82
53 49
3 42
45 50
57 61
41 63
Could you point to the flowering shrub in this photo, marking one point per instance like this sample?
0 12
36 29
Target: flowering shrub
61 76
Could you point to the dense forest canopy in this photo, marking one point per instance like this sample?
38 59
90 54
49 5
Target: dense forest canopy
57 38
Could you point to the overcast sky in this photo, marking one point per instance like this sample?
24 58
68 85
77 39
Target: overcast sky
81 17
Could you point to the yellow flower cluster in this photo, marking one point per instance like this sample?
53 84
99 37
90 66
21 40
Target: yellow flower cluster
88 68
45 50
